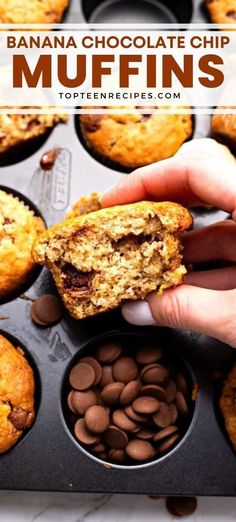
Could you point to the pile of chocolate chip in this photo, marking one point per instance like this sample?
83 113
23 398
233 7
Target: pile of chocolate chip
128 406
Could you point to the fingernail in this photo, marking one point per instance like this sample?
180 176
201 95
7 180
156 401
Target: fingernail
138 313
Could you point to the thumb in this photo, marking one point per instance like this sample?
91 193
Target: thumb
190 308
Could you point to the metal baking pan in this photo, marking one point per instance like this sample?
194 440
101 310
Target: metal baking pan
47 458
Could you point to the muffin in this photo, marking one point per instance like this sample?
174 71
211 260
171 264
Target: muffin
222 11
16 394
85 205
19 129
223 128
228 405
19 228
135 139
102 259
32 11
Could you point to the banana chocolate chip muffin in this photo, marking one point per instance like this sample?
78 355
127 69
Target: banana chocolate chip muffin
223 127
101 259
222 11
19 228
228 405
19 129
16 394
135 139
32 11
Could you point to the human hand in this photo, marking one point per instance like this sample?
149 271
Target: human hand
201 173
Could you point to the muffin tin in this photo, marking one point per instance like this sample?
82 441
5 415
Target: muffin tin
48 457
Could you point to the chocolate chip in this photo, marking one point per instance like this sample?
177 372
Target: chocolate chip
129 393
92 122
135 416
148 354
96 419
77 281
96 367
154 391
146 405
107 376
154 374
181 506
122 421
125 369
80 401
146 433
98 448
162 418
82 376
166 432
173 412
48 159
28 125
102 456
109 352
69 402
168 443
83 435
231 14
181 403
137 429
171 390
46 310
21 419
8 221
117 455
140 450
111 393
181 383
115 438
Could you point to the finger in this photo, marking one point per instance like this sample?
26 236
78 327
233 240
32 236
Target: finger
216 241
150 183
193 309
220 279
192 177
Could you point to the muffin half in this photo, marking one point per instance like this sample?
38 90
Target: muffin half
109 256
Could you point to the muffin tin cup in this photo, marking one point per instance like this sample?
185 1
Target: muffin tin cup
174 360
137 11
203 462
21 152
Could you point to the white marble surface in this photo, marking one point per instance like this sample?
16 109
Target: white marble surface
69 507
